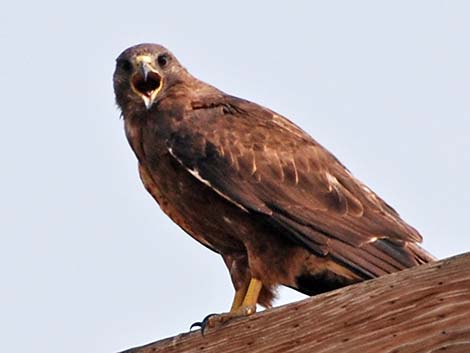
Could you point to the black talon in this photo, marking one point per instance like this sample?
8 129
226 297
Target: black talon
195 324
202 324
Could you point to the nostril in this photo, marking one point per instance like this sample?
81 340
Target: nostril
148 86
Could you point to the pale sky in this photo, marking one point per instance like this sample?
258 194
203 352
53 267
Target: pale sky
88 262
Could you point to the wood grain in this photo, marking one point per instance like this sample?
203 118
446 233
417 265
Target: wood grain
425 309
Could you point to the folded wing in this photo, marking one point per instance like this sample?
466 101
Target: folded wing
264 164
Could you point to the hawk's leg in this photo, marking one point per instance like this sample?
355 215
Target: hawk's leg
244 304
239 297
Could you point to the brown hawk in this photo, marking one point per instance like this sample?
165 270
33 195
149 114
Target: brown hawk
252 186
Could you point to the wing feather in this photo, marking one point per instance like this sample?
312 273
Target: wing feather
263 163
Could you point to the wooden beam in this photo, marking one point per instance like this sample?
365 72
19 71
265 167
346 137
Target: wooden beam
423 309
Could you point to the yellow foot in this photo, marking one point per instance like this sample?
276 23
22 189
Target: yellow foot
217 320
244 304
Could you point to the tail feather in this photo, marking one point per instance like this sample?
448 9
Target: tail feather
355 264
380 257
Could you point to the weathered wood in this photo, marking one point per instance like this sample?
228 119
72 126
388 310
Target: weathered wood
421 310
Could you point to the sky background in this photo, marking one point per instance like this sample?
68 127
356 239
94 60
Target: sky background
88 262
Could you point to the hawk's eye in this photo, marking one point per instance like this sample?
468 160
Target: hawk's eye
163 60
125 65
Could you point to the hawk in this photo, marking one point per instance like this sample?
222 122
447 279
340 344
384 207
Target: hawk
249 184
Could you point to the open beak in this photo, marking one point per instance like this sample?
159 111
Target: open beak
146 82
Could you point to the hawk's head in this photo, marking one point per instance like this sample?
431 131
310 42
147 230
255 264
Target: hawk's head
143 74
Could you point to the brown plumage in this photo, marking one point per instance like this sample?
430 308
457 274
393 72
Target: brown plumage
250 185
